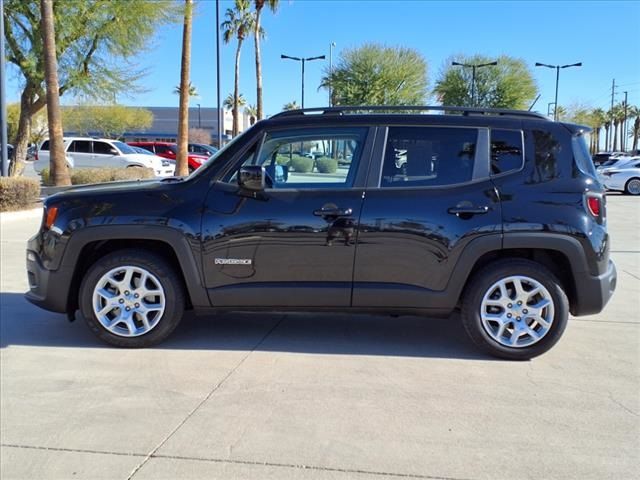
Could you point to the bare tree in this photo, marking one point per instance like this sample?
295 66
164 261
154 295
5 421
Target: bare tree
58 164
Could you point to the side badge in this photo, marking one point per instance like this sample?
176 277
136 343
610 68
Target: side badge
233 261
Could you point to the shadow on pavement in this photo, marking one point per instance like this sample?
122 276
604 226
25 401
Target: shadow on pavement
324 333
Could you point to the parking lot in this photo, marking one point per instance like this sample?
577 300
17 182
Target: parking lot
319 396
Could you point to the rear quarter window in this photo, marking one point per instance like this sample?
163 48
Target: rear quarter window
581 155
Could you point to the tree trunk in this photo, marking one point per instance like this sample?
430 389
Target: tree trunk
182 159
58 164
256 37
615 136
636 133
24 132
236 92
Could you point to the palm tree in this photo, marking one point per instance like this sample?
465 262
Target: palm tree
258 33
635 129
252 111
239 23
617 117
58 163
229 101
192 91
182 157
291 106
598 120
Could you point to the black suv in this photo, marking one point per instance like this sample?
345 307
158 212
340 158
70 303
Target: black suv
408 210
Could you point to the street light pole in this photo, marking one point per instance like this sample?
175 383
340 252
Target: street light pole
3 106
303 61
473 68
557 67
331 47
219 112
199 123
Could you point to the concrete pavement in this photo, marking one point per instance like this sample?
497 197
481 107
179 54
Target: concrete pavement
318 396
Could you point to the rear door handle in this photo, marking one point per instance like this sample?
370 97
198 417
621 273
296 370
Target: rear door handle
468 210
333 212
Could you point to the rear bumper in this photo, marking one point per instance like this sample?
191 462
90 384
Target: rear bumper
48 289
593 292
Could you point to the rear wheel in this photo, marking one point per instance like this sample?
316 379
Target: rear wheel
515 309
132 298
633 186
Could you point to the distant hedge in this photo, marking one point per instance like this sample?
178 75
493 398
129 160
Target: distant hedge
301 164
327 165
83 176
18 193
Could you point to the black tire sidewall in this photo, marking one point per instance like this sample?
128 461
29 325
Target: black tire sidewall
492 274
626 187
170 282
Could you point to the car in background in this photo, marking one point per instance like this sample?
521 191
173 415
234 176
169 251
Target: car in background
85 152
170 151
600 158
202 149
625 179
615 162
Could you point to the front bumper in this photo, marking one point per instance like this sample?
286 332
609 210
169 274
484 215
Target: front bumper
593 292
48 289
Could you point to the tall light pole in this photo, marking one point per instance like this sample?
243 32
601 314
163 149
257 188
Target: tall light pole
220 114
331 47
557 67
303 60
624 125
3 106
473 68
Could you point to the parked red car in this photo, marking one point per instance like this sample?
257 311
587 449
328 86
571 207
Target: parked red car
170 150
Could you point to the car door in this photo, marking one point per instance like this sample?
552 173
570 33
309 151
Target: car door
430 196
104 157
81 153
292 244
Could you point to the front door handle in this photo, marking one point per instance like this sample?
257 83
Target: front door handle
470 210
333 212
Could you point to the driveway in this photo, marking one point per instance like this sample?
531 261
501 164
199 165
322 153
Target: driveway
318 396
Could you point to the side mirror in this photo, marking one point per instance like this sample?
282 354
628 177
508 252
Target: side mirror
251 177
113 151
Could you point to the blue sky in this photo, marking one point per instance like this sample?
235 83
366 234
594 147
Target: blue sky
601 34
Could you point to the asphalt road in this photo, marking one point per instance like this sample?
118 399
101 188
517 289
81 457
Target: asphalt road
318 396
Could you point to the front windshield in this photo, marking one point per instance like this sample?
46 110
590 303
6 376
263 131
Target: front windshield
124 148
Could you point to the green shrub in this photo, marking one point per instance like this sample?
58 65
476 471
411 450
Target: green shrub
282 159
327 165
301 164
18 193
83 176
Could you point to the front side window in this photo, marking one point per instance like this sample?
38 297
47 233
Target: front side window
102 148
507 152
310 158
428 156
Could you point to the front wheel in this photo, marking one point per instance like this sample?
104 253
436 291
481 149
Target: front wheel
515 309
132 298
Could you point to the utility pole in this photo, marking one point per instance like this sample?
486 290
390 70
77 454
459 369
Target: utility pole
610 145
624 125
331 46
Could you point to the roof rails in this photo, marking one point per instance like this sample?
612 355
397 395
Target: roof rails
410 108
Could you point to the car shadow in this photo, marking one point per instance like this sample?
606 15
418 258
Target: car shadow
319 333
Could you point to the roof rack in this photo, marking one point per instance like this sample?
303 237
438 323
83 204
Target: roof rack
411 108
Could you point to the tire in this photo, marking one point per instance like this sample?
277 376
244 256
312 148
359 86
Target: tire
497 324
152 315
632 187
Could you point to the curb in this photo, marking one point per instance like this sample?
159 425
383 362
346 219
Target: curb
21 214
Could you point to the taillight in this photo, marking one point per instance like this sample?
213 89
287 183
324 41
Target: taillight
50 218
594 206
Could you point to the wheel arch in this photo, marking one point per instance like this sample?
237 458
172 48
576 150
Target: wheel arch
87 246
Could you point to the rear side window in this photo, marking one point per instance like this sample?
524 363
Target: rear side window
80 146
582 156
507 152
45 145
428 156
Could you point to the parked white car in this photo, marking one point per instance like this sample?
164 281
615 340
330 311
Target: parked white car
624 179
83 152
